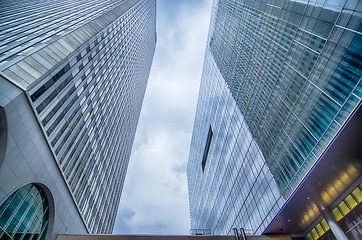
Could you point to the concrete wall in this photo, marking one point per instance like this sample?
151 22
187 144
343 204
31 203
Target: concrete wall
25 157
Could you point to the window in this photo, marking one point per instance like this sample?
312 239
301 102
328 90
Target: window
24 214
207 147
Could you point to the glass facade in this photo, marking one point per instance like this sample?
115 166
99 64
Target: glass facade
84 66
280 78
227 190
24 214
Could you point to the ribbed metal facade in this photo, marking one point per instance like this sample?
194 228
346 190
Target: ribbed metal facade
84 66
280 78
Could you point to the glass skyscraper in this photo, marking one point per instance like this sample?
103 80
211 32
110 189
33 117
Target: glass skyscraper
72 80
281 82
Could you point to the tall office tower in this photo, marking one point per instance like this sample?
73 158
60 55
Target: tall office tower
277 133
72 80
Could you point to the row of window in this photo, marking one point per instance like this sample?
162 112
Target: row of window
80 111
339 212
297 93
31 23
238 168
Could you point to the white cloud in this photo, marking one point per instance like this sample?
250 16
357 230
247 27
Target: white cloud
154 199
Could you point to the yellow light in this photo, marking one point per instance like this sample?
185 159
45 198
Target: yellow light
352 170
326 198
338 185
310 213
346 179
332 191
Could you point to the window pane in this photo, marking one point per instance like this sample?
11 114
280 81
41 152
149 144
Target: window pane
351 202
357 194
325 225
309 237
319 229
314 234
337 214
343 208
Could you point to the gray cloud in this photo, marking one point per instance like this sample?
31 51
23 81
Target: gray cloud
125 216
154 199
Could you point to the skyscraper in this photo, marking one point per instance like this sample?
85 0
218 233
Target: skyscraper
275 145
72 79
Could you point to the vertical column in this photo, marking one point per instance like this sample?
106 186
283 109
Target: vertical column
337 231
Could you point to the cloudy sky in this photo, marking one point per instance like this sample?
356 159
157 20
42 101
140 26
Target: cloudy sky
155 199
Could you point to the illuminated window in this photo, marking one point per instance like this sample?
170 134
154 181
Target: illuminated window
314 234
357 194
325 225
351 202
337 214
319 229
309 236
343 208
